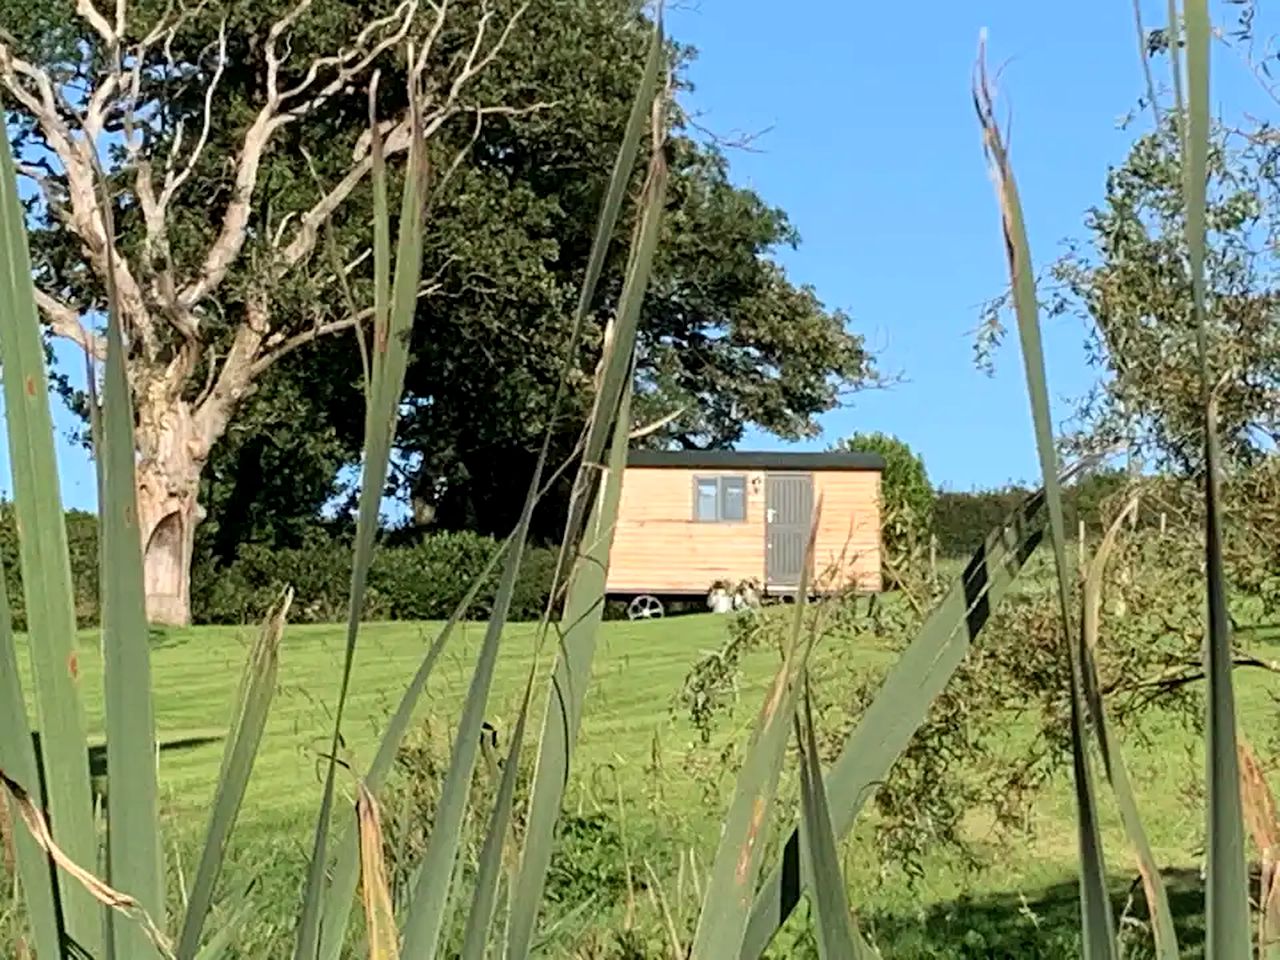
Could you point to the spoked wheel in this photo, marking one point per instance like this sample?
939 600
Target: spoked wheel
644 608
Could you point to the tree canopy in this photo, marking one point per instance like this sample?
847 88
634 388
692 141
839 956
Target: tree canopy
726 340
1128 281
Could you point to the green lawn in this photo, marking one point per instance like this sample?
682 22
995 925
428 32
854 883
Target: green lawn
639 669
632 731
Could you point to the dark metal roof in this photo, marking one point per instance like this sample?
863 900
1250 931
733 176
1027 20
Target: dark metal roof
754 460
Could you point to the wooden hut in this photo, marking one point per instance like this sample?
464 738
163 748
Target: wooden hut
690 520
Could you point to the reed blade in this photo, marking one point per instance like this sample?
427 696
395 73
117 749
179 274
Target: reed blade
597 489
1227 893
726 903
136 860
224 938
580 623
244 737
18 757
430 901
345 875
836 927
380 923
1098 925
388 361
475 940
902 703
1157 896
46 566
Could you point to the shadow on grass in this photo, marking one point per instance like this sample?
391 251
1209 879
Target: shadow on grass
1037 924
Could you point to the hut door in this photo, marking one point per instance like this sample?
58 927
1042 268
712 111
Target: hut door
788 514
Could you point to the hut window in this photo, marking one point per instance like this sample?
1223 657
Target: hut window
719 498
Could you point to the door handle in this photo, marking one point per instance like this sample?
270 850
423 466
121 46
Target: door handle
770 515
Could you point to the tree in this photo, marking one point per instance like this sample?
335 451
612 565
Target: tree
1129 283
726 340
906 496
196 121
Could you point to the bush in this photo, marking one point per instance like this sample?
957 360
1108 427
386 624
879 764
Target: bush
906 497
963 520
241 592
82 541
425 580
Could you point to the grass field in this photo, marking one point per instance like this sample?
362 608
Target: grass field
633 731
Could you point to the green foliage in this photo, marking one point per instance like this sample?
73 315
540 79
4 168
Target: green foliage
82 543
416 581
962 518
1127 280
906 496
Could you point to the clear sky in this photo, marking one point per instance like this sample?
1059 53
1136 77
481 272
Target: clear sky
872 148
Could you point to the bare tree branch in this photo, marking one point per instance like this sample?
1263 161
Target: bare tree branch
86 10
274 114
279 346
65 322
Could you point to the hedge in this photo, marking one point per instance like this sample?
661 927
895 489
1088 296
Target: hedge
423 580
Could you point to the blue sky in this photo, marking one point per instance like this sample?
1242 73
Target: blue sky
873 150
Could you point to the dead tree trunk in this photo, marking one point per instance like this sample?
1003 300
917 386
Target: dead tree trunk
171 459
167 292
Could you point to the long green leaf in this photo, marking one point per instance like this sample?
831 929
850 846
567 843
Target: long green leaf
1098 925
136 862
623 164
617 362
225 936
584 602
248 722
475 940
346 870
903 701
837 931
46 566
430 900
1166 937
583 612
431 897
18 758
1227 894
726 903
389 360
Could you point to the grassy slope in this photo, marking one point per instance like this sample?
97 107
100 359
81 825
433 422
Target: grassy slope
639 671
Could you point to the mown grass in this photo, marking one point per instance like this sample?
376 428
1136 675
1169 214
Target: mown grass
637 742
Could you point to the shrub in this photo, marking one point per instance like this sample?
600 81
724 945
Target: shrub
240 592
428 579
82 541
417 581
906 497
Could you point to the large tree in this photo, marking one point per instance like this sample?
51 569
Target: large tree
726 340
230 134
233 137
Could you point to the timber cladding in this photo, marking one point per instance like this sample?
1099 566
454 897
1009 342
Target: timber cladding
688 519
